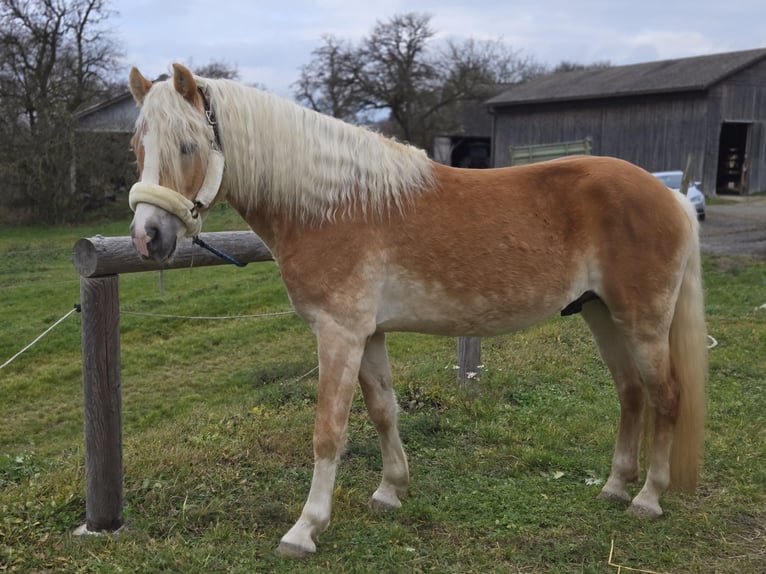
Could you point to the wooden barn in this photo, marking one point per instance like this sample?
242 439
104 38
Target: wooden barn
653 114
468 142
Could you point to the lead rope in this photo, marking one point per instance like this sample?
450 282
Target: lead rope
226 257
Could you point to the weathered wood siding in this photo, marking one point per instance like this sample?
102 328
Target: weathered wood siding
655 132
118 116
742 98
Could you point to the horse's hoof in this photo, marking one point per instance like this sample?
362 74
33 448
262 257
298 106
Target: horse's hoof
385 499
294 550
642 510
381 505
618 496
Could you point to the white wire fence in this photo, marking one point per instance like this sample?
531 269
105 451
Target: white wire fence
143 314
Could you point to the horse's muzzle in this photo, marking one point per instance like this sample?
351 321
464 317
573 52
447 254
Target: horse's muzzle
153 244
154 232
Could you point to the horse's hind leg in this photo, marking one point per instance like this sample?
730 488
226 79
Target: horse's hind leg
614 350
638 355
375 380
653 360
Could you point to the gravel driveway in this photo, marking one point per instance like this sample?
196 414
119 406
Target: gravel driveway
738 227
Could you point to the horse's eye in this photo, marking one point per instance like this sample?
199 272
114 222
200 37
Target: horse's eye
188 148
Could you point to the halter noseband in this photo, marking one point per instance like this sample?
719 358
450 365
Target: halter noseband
170 200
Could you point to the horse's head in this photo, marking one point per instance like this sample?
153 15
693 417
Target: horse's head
180 163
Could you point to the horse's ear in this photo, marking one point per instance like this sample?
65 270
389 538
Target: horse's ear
184 83
139 86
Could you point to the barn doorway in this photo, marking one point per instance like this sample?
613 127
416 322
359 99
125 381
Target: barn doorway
473 152
733 148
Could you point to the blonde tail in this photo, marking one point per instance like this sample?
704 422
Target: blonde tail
688 355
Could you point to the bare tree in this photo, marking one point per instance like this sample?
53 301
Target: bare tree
395 69
217 69
399 69
471 72
477 66
55 57
570 66
328 83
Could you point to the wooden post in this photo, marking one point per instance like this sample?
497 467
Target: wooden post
99 297
687 176
468 361
99 260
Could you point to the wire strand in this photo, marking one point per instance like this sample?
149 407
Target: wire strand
204 318
304 375
48 330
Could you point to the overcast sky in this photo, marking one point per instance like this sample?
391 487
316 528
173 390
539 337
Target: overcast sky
268 41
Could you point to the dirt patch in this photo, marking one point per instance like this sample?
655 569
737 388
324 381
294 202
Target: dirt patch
737 228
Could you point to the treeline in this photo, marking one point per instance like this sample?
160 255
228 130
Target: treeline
57 58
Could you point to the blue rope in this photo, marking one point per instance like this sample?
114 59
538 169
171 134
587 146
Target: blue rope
218 252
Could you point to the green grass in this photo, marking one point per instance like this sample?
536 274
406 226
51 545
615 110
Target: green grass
218 419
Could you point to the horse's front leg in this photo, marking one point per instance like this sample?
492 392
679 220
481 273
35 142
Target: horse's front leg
340 353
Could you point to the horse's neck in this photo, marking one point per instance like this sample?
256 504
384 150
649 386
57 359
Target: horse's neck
268 226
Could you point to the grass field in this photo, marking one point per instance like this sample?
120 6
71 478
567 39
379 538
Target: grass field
218 418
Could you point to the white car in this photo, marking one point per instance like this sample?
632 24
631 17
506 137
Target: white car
673 180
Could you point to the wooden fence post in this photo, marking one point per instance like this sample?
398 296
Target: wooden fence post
687 176
100 260
99 298
468 361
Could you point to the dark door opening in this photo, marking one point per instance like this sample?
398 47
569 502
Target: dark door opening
732 158
471 152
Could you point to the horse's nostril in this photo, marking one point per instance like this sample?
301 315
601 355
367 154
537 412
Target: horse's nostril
152 233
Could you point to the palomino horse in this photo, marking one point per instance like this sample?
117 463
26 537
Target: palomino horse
371 236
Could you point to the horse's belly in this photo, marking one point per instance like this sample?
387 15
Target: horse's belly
455 326
408 306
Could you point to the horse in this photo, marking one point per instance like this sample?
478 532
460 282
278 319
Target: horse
372 236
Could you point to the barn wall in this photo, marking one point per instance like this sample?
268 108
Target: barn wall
758 158
655 132
532 125
120 116
742 98
712 135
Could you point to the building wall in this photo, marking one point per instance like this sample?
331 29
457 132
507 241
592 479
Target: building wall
656 133
742 98
119 116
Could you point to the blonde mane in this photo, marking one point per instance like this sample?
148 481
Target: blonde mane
307 164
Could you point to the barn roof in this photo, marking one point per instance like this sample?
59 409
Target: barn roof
680 75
